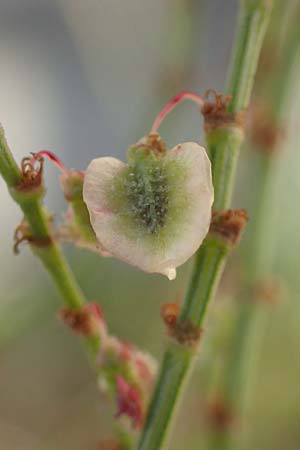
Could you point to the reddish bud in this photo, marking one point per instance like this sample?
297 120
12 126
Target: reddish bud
129 402
169 313
126 351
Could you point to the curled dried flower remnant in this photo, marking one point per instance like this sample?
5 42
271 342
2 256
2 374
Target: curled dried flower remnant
229 225
32 172
23 234
154 211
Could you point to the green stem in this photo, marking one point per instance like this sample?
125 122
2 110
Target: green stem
254 17
8 167
48 252
248 326
210 258
246 331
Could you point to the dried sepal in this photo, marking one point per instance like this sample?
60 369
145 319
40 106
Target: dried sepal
183 331
216 115
228 225
86 321
23 234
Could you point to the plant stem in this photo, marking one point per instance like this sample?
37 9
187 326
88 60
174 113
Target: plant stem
223 147
246 330
248 325
49 253
8 167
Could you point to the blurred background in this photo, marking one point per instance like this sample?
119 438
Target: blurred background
86 79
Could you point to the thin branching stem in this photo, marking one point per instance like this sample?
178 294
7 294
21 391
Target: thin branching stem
50 254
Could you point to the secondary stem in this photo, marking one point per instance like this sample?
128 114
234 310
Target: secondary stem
223 147
50 254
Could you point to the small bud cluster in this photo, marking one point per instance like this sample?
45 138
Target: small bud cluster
124 371
129 373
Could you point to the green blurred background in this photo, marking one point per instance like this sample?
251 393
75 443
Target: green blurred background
85 79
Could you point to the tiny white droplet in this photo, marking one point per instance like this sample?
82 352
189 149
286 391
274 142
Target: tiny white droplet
170 272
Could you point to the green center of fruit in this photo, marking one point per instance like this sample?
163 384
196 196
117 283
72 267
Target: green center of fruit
149 197
146 189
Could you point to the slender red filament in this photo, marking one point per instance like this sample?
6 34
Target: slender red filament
185 95
52 158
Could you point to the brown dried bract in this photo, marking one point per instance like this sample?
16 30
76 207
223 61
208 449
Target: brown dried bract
183 331
268 291
32 171
186 333
216 115
82 321
23 234
263 131
229 225
218 415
